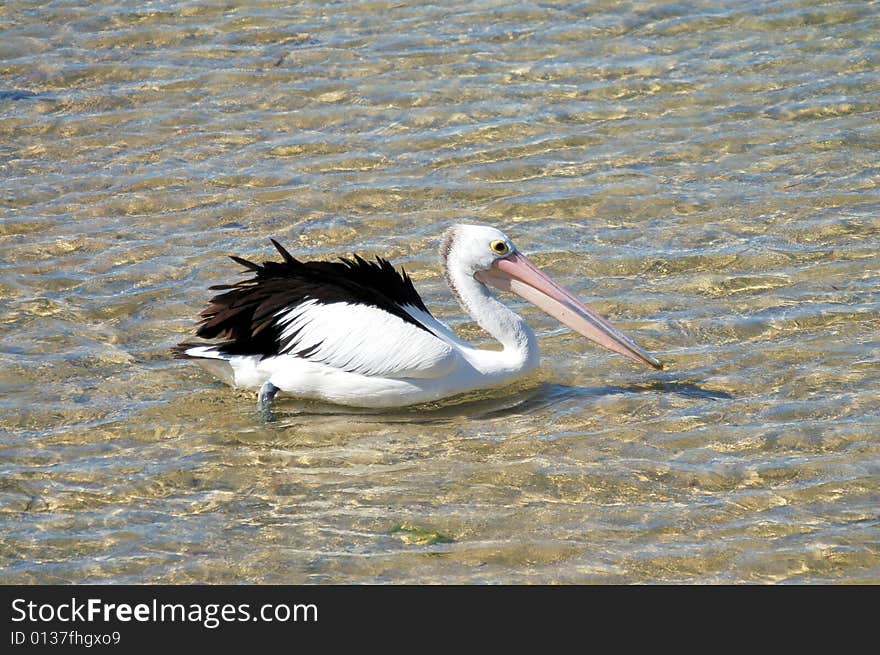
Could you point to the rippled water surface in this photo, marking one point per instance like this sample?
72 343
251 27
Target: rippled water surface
703 173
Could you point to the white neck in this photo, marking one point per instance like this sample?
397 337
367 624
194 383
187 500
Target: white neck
520 351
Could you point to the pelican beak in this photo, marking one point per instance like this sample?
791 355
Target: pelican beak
517 274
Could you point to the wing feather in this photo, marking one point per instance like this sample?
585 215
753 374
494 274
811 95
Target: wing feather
354 315
244 316
363 339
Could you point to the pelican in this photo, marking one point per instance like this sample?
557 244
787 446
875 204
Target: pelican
355 332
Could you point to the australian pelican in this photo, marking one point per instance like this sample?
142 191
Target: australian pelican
356 332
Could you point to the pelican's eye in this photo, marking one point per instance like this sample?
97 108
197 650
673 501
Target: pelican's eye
499 247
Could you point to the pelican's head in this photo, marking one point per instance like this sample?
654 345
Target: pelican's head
492 259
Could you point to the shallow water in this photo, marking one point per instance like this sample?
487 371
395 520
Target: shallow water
705 174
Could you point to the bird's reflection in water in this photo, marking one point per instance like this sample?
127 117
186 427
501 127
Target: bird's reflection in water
483 405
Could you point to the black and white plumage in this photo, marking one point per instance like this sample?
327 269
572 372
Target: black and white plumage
356 332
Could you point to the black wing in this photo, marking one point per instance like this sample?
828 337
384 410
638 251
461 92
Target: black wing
245 316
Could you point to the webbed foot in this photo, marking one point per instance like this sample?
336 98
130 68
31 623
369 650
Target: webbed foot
264 401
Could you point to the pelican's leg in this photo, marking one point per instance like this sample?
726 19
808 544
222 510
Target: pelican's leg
264 400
